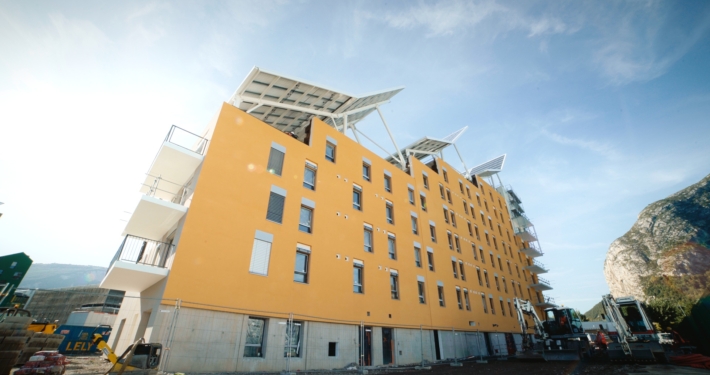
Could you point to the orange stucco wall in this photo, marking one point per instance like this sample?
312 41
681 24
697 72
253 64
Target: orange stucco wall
211 266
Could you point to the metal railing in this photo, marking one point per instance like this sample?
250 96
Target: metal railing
143 251
543 281
167 190
183 138
539 264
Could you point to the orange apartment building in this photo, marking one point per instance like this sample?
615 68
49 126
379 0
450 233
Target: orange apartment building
275 241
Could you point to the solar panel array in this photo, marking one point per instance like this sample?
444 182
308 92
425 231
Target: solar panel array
489 168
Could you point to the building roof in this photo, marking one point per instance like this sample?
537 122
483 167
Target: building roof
428 146
488 168
289 104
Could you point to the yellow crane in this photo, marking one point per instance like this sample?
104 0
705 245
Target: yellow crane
139 358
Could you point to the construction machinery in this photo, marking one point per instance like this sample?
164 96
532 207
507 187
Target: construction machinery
560 337
35 326
139 358
635 338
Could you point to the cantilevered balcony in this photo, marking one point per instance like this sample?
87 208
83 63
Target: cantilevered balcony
546 302
138 264
542 284
526 235
536 267
533 251
521 221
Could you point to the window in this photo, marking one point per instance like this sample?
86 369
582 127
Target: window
425 180
446 214
475 255
441 296
309 176
292 342
415 226
389 211
497 283
300 273
478 199
420 288
475 228
13 265
432 232
483 220
453 265
508 234
468 302
485 203
502 308
512 283
500 263
483 259
463 275
422 199
493 261
500 231
493 309
468 192
510 308
441 191
495 243
517 270
388 183
510 271
430 259
483 300
306 219
448 195
368 239
458 298
260 254
417 257
332 349
478 273
357 198
451 241
488 240
358 278
465 207
275 210
276 159
366 171
391 247
255 337
490 223
485 276
410 192
330 151
470 229
446 176
461 186
453 218
457 243
394 286
520 289
505 286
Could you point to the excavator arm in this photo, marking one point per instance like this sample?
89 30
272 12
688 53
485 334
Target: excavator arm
524 307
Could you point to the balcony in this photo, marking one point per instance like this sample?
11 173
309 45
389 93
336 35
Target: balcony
526 235
533 251
542 284
158 210
546 302
522 221
536 267
177 159
138 264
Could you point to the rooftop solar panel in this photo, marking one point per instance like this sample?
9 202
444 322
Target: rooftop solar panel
489 168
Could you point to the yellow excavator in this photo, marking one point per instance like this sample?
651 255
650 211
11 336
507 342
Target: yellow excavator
139 358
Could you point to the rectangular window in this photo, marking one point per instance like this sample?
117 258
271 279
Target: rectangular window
475 255
457 243
485 276
358 278
368 239
493 261
441 191
417 257
441 296
488 241
260 254
446 214
275 210
425 180
458 298
465 207
330 151
450 239
389 211
493 308
483 220
415 226
453 218
305 221
292 339
410 192
468 192
432 232
497 283
332 349
461 186
391 248
510 308
475 229
394 286
502 308
300 273
388 183
485 204
309 176
420 288
505 286
483 301
455 268
448 195
430 259
463 275
366 171
470 228
512 283
500 264
276 161
510 271
446 176
357 198
255 337
478 273
422 199
483 259
468 302
478 199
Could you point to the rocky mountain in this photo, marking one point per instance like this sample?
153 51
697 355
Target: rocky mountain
666 252
55 275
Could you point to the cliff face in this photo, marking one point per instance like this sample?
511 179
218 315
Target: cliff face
667 247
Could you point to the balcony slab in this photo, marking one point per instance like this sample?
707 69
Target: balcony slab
132 277
153 217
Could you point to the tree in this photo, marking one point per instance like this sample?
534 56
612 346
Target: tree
665 312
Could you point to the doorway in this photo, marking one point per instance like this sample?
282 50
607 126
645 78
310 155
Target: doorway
387 346
365 347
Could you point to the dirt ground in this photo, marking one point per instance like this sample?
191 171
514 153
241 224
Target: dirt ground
96 365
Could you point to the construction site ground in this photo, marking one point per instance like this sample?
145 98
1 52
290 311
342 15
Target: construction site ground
98 365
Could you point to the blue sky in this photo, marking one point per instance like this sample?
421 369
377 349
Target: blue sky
602 107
